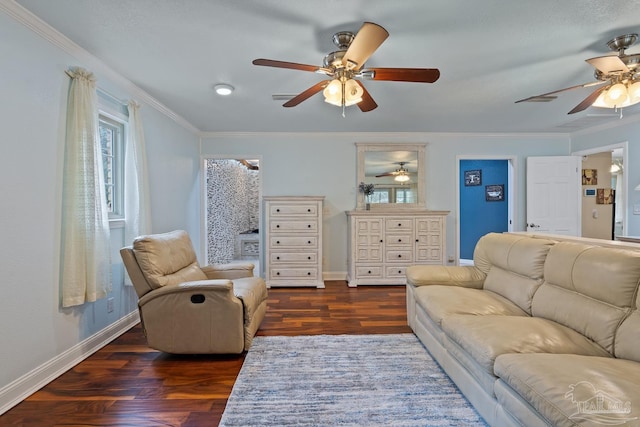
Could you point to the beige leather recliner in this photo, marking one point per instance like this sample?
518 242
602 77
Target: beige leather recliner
186 309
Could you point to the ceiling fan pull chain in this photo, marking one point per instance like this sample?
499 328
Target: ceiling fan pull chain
343 99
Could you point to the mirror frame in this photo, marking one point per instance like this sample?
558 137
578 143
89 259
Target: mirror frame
363 147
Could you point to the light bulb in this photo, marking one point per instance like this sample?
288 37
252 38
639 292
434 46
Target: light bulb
616 96
333 93
353 92
634 92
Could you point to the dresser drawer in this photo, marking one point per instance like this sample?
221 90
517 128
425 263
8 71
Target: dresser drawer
276 242
289 226
399 271
399 240
293 257
294 273
398 224
277 210
399 256
371 271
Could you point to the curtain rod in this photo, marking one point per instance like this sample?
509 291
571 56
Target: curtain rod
104 92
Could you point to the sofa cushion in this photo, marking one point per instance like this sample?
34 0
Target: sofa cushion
167 259
577 291
627 343
487 337
440 302
569 389
514 265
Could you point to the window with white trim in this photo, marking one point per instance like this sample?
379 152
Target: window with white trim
112 134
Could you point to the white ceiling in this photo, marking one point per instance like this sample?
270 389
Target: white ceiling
490 53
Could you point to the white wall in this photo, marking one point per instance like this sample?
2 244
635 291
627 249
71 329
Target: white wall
325 165
627 130
34 329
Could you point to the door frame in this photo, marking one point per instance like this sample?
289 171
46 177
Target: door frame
624 145
203 197
512 183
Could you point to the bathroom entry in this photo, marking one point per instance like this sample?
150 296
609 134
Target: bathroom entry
232 210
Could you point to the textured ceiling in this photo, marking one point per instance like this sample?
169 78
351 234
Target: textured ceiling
490 54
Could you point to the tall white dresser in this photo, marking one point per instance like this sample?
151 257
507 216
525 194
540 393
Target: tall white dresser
382 245
293 241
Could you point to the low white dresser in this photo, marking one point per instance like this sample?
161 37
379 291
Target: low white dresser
293 241
381 245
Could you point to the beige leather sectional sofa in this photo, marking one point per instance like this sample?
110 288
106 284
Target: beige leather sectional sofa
538 332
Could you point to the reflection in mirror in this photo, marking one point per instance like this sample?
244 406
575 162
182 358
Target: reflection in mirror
394 174
397 172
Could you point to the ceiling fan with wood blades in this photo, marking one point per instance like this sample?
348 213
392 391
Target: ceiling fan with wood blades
401 174
617 75
347 64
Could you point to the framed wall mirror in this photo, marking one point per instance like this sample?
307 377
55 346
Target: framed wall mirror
396 172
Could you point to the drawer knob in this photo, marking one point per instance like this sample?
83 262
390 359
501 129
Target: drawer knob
380 240
277 257
369 272
309 273
399 240
399 271
277 210
399 256
278 226
309 241
399 224
309 226
308 257
277 242
309 210
417 240
278 273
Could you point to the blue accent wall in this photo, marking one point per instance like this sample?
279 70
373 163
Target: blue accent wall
477 215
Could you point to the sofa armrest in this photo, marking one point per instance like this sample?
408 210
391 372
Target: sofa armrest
228 271
464 276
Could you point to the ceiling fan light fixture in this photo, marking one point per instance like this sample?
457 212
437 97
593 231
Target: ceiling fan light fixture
352 92
616 96
223 89
634 92
402 177
333 93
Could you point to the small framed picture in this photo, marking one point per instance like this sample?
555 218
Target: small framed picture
590 192
589 176
472 177
605 196
494 193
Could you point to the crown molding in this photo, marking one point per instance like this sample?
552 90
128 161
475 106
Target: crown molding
387 136
57 39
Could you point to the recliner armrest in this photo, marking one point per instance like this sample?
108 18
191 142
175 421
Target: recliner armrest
228 271
220 286
464 276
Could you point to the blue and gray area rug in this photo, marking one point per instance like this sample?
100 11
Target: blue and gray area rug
344 380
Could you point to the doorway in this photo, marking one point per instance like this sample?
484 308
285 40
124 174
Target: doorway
485 200
611 175
231 210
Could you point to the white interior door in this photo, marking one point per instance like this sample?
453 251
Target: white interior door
553 195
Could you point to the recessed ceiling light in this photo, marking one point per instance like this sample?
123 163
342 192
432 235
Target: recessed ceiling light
223 89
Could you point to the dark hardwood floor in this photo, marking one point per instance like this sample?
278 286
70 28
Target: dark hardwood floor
128 384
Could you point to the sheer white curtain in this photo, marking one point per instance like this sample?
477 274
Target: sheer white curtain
137 211
86 257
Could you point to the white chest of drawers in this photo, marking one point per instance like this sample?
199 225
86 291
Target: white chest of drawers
293 241
382 245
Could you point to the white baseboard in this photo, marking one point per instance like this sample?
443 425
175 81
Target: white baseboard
334 275
18 390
